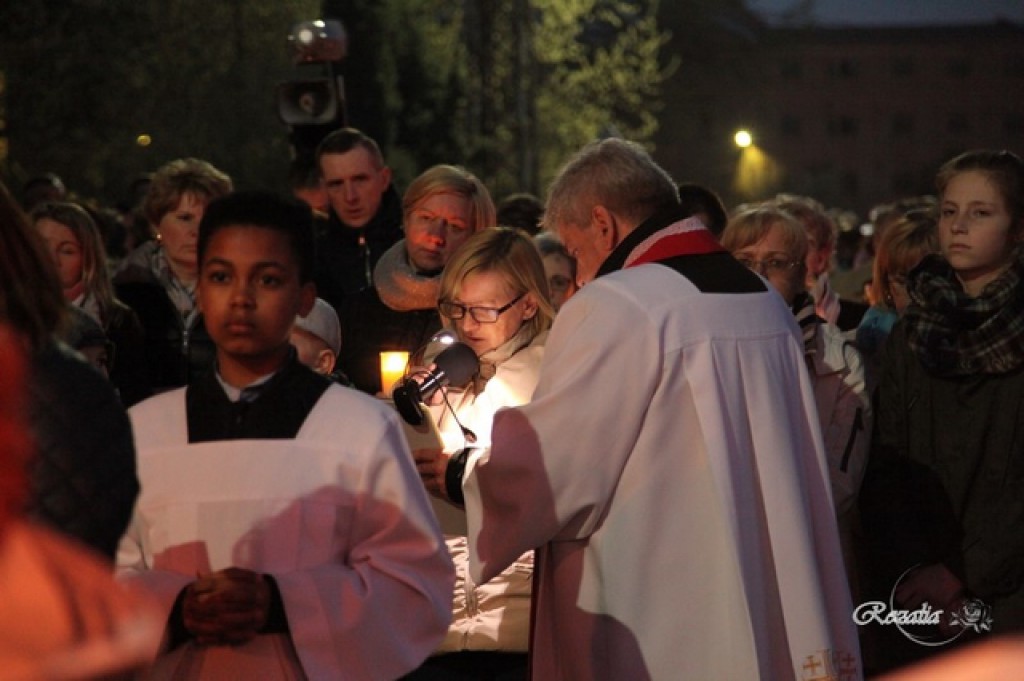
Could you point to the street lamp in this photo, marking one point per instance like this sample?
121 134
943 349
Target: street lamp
743 139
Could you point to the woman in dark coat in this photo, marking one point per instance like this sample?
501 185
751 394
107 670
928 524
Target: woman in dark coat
943 500
75 243
158 279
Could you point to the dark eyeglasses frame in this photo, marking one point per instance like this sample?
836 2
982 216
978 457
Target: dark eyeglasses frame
463 309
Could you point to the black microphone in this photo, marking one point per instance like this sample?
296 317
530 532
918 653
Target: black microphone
456 364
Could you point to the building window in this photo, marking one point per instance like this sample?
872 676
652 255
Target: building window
1013 124
958 124
790 126
902 124
843 68
959 67
903 66
791 69
842 126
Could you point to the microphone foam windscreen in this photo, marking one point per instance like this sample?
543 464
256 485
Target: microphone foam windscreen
458 362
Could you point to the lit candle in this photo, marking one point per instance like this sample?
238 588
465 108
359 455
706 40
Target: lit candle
392 369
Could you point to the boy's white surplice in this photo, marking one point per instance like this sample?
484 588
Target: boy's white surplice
670 468
338 516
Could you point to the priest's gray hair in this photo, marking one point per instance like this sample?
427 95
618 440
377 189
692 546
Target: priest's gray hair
614 173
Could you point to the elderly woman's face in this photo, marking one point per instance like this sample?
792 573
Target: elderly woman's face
435 229
178 231
770 258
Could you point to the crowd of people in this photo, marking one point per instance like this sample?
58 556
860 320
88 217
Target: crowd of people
697 443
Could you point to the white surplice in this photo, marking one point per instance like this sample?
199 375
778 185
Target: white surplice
670 468
337 516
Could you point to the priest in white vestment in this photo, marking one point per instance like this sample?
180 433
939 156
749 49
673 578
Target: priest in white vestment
670 466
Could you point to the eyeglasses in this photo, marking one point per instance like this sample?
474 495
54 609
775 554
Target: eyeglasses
481 315
769 266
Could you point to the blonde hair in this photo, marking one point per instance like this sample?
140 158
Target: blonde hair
752 224
812 216
95 275
510 253
445 179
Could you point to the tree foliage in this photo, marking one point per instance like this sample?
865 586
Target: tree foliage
85 78
508 88
547 76
601 74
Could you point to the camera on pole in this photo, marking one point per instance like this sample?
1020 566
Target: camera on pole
313 103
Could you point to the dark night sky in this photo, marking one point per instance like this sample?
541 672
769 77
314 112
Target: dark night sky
899 12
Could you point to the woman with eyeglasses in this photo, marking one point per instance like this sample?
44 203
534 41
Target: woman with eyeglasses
494 296
774 244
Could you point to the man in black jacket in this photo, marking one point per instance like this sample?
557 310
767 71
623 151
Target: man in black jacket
364 218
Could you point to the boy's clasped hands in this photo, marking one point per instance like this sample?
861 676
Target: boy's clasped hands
227 607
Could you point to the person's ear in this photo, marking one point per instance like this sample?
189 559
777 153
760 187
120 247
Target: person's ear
325 361
307 297
606 227
529 306
385 176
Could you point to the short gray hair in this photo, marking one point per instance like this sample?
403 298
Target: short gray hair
614 173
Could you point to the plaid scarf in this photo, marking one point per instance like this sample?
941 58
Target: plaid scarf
954 334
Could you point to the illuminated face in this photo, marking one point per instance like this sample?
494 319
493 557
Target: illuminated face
561 284
249 293
770 258
489 289
355 185
178 230
66 251
976 232
435 228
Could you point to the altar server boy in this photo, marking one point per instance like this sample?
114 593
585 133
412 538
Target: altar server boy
281 521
